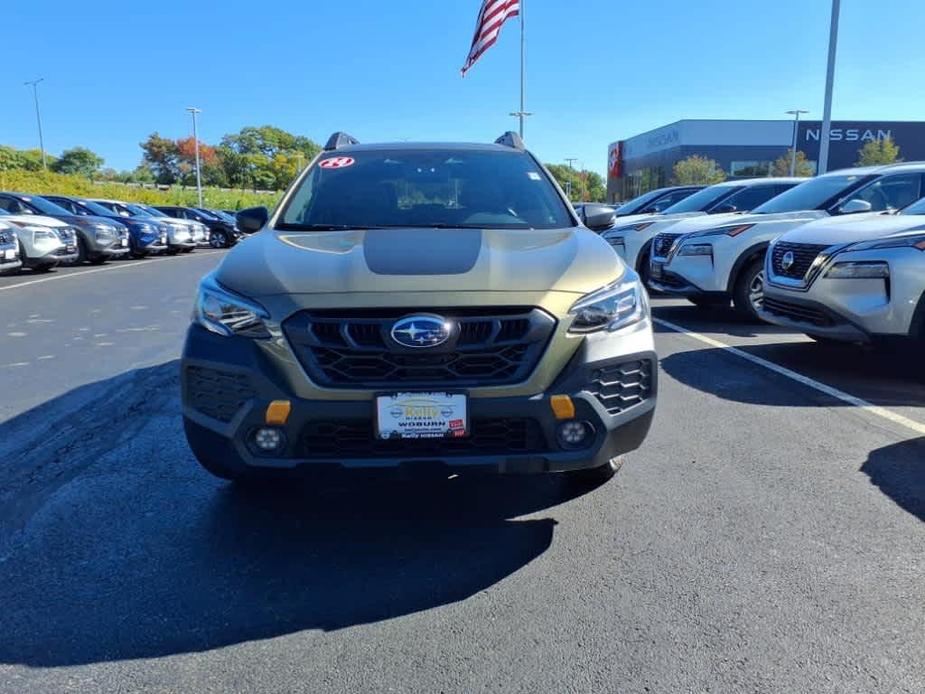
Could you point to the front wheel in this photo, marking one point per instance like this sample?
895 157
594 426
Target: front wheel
217 239
748 294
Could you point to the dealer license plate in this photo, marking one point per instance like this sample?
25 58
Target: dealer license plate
657 271
422 415
71 249
124 243
10 254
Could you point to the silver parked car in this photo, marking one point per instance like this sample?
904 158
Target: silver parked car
857 280
43 242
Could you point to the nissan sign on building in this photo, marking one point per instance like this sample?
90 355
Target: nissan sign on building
744 148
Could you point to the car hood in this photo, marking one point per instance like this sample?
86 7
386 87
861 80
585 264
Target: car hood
853 228
631 219
690 226
36 219
420 260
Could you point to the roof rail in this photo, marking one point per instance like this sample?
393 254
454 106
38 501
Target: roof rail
338 140
510 139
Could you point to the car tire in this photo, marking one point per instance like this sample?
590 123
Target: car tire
188 250
218 239
83 254
44 267
643 269
97 259
215 453
709 301
172 251
595 476
748 293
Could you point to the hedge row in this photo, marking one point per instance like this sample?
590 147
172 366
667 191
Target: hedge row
45 182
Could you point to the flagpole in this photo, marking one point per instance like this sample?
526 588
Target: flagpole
523 61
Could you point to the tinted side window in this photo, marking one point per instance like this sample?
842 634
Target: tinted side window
14 206
891 192
749 198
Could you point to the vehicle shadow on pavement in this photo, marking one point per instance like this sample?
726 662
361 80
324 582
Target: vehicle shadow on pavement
899 472
886 380
721 320
134 552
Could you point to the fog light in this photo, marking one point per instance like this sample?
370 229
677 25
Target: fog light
268 440
574 434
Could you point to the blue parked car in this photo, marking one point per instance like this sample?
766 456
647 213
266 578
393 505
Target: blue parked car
147 235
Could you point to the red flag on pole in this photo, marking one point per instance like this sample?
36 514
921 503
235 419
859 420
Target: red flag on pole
493 14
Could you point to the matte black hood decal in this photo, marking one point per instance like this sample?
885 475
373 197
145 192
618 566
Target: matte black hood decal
422 251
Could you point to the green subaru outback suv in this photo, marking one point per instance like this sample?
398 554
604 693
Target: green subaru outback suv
420 306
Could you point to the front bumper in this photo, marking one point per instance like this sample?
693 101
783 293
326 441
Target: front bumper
10 261
227 384
666 281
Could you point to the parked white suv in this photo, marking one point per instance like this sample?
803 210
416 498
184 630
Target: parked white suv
855 282
711 261
632 236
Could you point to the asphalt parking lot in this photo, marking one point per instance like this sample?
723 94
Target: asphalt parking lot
768 537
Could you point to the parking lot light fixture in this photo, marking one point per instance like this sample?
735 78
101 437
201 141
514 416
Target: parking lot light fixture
194 111
793 151
38 116
829 80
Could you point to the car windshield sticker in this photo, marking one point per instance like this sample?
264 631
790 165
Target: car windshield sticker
337 163
534 176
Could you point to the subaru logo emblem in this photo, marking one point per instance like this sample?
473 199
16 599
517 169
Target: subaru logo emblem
421 331
787 261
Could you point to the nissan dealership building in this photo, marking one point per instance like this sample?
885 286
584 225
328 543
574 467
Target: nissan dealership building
744 148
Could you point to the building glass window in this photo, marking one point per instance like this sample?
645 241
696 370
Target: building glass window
750 168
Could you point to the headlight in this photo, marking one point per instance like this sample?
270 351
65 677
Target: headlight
40 235
864 270
103 231
916 241
227 314
146 228
696 249
613 307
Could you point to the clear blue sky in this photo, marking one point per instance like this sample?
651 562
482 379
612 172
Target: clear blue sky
598 70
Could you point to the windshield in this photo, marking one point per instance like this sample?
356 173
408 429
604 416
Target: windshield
639 202
206 213
701 200
426 188
47 208
811 195
144 211
915 208
94 208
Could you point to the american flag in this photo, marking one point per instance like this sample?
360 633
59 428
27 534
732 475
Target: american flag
493 14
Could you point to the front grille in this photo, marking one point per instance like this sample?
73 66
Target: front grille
356 439
798 312
217 394
353 349
804 255
6 237
620 387
662 244
63 251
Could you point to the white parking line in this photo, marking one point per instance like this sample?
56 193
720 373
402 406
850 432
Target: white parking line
128 266
847 398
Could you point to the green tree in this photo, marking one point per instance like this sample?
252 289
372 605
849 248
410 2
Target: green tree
583 186
264 157
78 161
697 170
162 157
12 159
876 152
781 166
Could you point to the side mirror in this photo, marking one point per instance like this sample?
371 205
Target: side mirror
252 219
726 209
854 206
599 217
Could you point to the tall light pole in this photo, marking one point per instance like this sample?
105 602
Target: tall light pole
568 183
195 111
793 151
829 80
38 115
